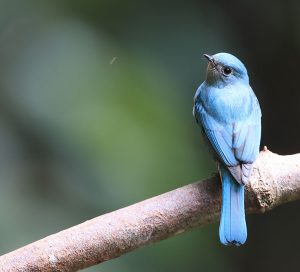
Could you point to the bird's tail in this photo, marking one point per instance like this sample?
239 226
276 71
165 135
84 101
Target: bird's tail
233 229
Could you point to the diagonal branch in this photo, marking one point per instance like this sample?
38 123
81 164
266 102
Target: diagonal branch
275 180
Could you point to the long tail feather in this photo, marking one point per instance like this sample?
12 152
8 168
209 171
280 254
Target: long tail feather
233 229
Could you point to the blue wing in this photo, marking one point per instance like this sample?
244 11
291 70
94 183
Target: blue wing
236 144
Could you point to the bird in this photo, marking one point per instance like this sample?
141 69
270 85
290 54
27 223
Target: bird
229 114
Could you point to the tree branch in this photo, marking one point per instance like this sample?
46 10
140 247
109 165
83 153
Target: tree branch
275 180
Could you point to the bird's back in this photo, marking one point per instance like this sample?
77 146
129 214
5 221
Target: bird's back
233 103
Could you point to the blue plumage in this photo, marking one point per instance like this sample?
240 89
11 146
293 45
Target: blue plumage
227 109
233 229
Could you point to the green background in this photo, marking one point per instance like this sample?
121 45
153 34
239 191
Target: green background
96 114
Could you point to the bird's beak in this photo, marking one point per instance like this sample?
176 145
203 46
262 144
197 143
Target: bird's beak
210 59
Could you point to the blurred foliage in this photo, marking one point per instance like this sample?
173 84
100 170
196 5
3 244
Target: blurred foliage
95 114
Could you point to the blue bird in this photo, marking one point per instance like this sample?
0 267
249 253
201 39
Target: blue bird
229 114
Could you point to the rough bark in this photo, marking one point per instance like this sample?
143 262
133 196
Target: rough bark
275 180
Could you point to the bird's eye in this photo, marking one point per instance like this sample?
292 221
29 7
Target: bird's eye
227 71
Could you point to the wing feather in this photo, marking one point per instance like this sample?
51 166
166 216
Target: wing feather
236 144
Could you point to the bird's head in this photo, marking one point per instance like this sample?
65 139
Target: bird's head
224 69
